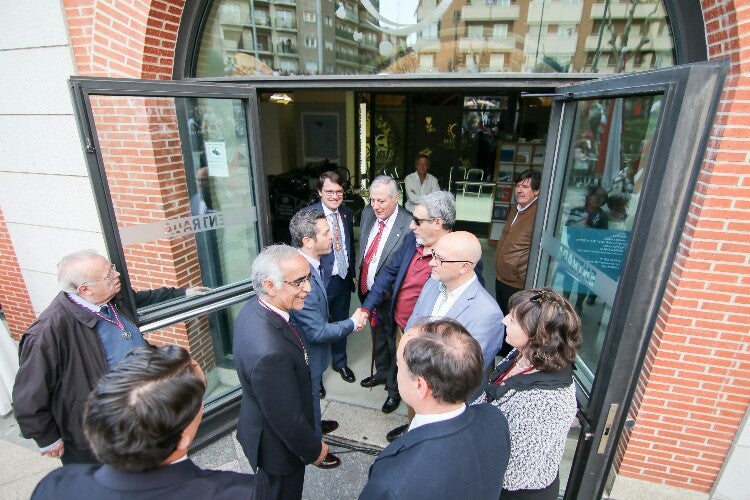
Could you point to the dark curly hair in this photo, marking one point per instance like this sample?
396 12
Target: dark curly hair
553 327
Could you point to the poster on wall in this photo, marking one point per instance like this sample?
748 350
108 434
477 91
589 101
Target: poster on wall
216 158
320 136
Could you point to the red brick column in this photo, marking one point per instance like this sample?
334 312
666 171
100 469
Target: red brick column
695 386
14 297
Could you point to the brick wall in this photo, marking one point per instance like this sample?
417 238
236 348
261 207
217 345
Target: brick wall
141 151
695 386
14 297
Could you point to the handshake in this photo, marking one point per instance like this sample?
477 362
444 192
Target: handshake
360 318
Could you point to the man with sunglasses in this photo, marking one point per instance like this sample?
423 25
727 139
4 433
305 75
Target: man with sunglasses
405 276
455 292
85 331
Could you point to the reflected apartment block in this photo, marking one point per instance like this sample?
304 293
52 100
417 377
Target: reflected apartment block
545 36
287 37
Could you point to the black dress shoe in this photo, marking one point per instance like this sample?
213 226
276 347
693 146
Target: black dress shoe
331 461
328 426
346 373
396 433
391 403
322 391
372 381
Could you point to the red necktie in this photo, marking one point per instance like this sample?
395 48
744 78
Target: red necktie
368 258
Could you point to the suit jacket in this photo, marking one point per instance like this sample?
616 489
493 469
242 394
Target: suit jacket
275 426
475 309
463 457
326 261
180 481
396 237
312 323
389 280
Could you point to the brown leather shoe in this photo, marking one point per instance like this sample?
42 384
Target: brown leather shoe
329 426
331 461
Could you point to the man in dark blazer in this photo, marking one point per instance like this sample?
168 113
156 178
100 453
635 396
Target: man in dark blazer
450 450
337 266
276 427
140 420
384 226
311 234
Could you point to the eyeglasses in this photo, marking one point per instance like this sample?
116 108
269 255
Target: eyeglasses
419 221
109 277
299 282
443 261
333 193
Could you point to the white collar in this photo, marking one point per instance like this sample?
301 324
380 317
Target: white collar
420 420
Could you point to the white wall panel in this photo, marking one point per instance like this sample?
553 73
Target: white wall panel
49 201
32 23
41 144
34 81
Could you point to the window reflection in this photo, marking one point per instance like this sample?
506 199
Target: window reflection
253 37
605 167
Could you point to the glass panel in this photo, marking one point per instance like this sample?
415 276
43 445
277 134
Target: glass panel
214 328
603 173
179 179
283 37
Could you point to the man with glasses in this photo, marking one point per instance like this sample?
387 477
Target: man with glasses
85 331
455 292
337 266
311 234
404 278
276 426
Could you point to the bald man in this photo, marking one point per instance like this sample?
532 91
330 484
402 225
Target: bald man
455 292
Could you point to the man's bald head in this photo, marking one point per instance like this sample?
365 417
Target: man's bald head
465 246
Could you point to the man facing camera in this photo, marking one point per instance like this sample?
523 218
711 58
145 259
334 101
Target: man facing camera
276 427
450 450
140 421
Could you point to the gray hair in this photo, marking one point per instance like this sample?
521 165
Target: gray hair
267 266
440 204
386 180
304 225
70 272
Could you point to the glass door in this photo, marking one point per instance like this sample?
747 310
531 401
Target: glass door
174 168
623 158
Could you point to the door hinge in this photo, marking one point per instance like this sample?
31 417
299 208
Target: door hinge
89 145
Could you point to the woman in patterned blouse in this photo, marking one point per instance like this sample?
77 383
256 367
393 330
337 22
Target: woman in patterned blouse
533 388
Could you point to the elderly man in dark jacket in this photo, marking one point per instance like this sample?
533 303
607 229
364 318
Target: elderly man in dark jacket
86 329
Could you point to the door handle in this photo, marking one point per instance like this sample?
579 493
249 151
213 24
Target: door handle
607 427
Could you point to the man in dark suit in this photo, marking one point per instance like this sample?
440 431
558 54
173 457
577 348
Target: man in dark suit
450 450
311 234
276 427
140 420
384 227
338 265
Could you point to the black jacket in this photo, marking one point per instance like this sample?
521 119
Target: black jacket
61 361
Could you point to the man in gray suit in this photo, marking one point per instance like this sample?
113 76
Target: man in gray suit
383 227
455 292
